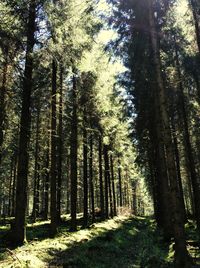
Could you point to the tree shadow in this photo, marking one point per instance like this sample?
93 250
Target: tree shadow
36 231
136 243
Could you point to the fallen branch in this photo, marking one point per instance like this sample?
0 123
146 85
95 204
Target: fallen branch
13 255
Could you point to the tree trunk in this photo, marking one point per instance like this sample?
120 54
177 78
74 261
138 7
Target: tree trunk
120 182
188 180
19 229
35 211
188 145
74 149
162 192
46 184
2 99
152 178
10 204
101 179
85 170
113 186
68 185
106 174
14 184
107 170
134 201
177 158
53 208
60 146
179 175
181 254
91 178
196 22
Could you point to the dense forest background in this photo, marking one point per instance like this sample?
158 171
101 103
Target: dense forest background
99 115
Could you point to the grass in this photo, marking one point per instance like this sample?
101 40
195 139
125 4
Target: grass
128 245
124 241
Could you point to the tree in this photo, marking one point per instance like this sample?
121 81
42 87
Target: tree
60 144
19 229
194 7
53 171
73 153
181 255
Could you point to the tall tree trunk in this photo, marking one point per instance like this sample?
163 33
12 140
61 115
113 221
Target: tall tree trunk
85 170
161 173
60 145
188 145
46 184
2 99
177 158
188 180
10 186
197 82
68 185
73 152
152 178
15 156
19 229
101 179
35 211
120 182
134 201
106 174
91 177
53 169
196 21
181 254
113 186
107 171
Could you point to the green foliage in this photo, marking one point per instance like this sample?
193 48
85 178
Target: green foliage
127 240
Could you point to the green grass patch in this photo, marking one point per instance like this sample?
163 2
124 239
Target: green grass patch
120 242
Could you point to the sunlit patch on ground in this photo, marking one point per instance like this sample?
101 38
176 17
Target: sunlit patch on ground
123 238
124 241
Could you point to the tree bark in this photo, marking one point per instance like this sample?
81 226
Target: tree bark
85 170
107 177
188 145
113 186
2 99
73 152
196 22
101 179
14 184
106 174
162 191
60 146
35 211
53 169
91 177
46 184
120 182
19 227
177 158
68 185
10 204
181 255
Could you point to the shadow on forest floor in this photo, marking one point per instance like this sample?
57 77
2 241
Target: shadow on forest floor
39 230
120 242
136 243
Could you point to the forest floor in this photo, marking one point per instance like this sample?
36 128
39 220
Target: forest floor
123 242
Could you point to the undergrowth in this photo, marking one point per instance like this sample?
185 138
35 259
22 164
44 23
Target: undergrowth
124 241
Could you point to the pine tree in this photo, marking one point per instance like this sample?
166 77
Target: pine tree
19 227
